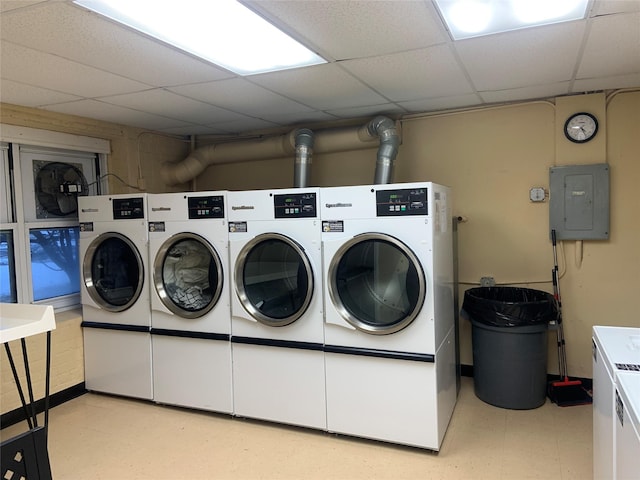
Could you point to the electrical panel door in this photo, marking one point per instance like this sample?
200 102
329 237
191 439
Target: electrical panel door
579 202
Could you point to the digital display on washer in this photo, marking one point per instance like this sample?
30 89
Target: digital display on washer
401 202
128 208
295 205
211 206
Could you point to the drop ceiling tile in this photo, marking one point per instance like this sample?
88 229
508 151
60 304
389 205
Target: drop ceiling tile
608 7
95 41
43 70
247 124
613 46
116 114
631 80
297 118
525 93
310 86
351 29
171 105
442 103
535 56
239 95
194 130
53 52
368 111
7 5
417 74
29 96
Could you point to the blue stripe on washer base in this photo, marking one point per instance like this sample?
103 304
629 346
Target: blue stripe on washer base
370 352
116 326
184 334
277 343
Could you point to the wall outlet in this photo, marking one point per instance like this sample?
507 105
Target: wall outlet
487 282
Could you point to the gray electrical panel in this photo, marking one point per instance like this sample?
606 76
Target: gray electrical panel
579 202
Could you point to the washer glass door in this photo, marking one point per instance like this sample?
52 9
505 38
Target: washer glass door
376 283
113 272
274 279
187 274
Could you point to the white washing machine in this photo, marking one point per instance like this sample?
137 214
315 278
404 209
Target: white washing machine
615 349
114 293
389 315
276 306
190 312
628 425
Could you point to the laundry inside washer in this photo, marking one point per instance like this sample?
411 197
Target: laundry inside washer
188 274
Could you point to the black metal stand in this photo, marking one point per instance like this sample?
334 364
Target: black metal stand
26 455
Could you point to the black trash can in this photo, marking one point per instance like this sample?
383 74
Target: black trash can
509 337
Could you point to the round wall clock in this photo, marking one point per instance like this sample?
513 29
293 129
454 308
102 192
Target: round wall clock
581 127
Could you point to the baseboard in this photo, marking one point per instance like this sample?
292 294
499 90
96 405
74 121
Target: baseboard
55 399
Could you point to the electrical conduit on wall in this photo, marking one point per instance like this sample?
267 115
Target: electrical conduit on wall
301 142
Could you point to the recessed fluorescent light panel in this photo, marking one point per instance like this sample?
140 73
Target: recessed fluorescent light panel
223 32
474 18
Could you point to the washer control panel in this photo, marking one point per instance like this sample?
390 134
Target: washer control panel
401 202
128 208
210 206
295 205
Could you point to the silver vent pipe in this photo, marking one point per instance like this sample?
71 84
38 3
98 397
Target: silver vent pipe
385 128
304 153
268 148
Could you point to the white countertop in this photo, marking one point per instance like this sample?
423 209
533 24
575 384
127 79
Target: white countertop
19 320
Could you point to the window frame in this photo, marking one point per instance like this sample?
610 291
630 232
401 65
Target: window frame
12 174
7 213
4 227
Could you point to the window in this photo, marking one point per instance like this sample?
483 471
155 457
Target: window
55 268
52 180
8 289
8 292
39 233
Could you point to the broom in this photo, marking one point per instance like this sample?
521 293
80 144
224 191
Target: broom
563 392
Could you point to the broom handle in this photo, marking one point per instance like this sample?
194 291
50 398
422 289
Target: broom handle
556 283
559 332
562 353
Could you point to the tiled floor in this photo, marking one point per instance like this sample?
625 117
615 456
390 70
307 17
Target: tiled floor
103 437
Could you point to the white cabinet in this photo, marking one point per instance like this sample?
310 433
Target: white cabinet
614 349
627 426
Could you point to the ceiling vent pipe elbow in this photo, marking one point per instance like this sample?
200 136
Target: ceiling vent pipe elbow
385 128
304 156
201 158
302 142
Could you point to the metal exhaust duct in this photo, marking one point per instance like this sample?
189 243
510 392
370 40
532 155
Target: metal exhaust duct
385 128
323 141
304 152
221 153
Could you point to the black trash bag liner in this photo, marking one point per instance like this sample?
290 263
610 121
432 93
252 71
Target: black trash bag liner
509 306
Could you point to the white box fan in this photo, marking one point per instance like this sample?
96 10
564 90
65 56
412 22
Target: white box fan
57 186
53 182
